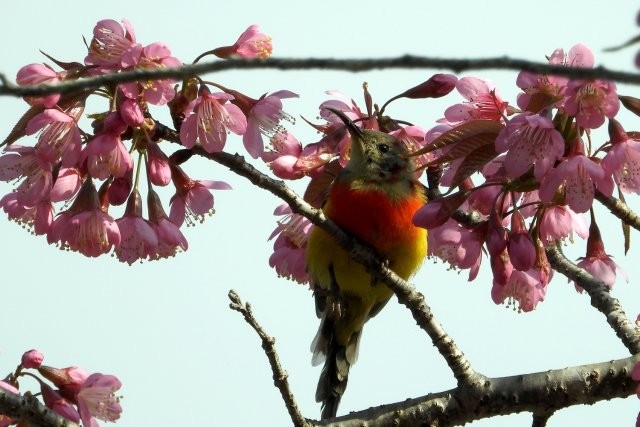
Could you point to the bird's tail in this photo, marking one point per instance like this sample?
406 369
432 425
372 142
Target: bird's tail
337 362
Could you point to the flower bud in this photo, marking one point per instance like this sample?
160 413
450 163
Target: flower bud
32 359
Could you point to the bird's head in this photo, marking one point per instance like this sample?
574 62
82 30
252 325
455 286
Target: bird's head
376 158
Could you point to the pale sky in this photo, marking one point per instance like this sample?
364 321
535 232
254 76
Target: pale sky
164 328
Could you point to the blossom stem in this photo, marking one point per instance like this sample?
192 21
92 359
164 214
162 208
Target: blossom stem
601 298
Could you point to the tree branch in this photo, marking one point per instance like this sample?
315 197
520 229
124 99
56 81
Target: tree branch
405 292
268 345
601 298
619 209
540 392
29 410
541 418
348 64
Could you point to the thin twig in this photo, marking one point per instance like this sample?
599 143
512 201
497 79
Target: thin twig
29 410
268 345
347 64
619 209
601 298
360 252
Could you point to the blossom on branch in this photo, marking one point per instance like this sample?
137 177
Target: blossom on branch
251 44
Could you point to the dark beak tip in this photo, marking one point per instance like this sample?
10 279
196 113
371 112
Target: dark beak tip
351 127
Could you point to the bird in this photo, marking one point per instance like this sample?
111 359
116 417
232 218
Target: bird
373 198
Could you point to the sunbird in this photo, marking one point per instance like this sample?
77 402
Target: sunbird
374 198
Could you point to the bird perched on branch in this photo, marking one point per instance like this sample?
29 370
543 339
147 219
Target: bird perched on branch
374 199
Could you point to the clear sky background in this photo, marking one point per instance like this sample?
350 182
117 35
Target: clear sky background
164 328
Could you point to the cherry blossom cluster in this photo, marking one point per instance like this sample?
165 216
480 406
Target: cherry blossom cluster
539 176
69 180
70 392
535 168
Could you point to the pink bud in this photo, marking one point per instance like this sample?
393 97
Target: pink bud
68 380
437 86
502 268
113 124
434 214
616 132
60 405
521 249
496 238
285 167
32 359
158 166
119 190
131 113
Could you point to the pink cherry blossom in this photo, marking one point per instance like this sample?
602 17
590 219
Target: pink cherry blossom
603 268
193 198
558 222
158 168
264 118
112 47
84 227
482 102
59 133
590 101
577 176
36 74
282 156
530 139
549 86
66 185
597 262
170 238
138 240
97 398
32 359
289 248
92 233
33 168
461 247
524 289
157 92
105 153
37 218
348 107
208 118
251 44
623 161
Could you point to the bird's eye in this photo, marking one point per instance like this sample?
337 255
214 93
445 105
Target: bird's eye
383 148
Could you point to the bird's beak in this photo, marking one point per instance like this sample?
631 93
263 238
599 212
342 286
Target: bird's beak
357 136
351 127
